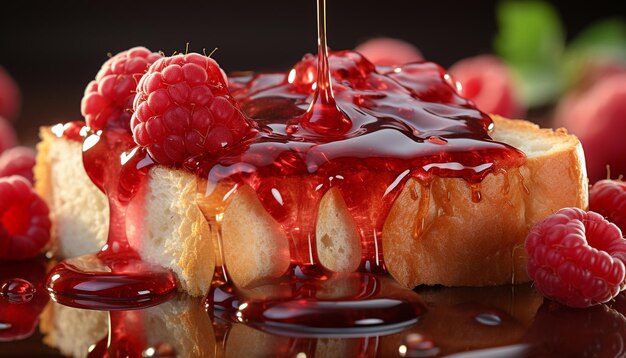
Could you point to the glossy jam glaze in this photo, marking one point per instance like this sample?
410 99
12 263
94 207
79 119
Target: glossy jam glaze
334 121
406 122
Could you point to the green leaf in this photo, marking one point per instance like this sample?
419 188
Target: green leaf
604 34
531 40
601 42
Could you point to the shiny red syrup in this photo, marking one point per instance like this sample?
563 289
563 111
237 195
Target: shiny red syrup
17 290
340 305
22 298
128 332
116 277
338 121
406 122
323 116
126 336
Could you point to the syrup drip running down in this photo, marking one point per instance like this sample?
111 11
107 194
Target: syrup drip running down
116 277
323 116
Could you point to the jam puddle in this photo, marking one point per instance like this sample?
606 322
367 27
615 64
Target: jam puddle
116 277
341 305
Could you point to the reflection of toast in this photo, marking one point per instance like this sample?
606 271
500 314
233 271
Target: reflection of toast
434 234
183 325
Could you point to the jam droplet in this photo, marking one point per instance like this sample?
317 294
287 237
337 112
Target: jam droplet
17 290
488 319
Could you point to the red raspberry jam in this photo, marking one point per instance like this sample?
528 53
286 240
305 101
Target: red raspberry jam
333 121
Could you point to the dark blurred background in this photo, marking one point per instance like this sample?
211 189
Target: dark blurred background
53 49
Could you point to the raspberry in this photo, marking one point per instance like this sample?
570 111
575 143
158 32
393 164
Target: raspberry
10 97
384 51
24 222
576 258
18 161
608 198
183 108
108 100
487 81
596 117
8 138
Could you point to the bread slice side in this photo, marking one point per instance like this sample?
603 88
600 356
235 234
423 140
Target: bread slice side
78 210
468 243
169 228
439 236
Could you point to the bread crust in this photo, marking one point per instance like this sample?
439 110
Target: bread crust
435 232
467 243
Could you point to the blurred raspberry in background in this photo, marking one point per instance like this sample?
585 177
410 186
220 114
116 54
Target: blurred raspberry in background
579 85
13 160
8 138
488 81
10 97
597 115
385 51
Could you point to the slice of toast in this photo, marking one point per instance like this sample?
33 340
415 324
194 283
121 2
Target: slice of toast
434 234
